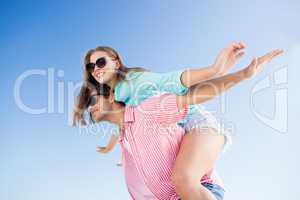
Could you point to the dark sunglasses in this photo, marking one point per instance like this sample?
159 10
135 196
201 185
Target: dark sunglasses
100 62
101 90
93 100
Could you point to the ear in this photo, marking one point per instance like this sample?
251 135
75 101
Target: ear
118 64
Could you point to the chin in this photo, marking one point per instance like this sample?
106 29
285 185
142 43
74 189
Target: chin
108 76
98 118
103 80
100 81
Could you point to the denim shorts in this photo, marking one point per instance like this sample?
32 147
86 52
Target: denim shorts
198 117
216 190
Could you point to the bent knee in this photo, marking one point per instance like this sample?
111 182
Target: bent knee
209 136
184 180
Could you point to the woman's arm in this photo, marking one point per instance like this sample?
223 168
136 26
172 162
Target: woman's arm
140 86
226 59
112 143
212 88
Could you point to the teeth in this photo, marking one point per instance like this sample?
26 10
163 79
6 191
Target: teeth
99 74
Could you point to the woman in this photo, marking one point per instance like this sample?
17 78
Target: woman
200 147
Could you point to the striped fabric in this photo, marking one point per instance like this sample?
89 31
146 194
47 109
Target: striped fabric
150 141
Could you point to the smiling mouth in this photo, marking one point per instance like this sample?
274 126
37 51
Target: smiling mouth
99 74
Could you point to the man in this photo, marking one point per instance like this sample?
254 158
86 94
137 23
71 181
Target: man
150 139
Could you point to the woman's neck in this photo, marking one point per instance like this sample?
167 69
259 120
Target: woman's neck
113 82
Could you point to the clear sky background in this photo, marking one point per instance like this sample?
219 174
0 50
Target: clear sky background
43 157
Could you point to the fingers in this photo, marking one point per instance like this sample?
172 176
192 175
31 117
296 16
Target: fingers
277 52
237 45
239 49
242 45
100 149
234 49
240 54
269 56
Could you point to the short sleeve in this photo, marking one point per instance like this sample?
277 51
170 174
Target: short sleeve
125 89
171 82
163 108
122 92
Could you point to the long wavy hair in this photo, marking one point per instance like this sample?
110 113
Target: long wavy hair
91 83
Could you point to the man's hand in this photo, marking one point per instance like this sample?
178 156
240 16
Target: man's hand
228 57
102 149
257 63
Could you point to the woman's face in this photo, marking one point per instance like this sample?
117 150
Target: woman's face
105 73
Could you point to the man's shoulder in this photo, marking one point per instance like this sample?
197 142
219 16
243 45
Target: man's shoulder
157 102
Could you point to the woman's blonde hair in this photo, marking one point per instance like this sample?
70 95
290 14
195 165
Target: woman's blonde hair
91 83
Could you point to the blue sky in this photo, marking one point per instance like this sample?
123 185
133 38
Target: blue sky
42 156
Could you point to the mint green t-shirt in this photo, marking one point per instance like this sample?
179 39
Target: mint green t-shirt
138 86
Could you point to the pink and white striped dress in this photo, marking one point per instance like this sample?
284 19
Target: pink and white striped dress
150 141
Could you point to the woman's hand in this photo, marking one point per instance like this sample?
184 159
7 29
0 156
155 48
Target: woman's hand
102 149
228 57
257 63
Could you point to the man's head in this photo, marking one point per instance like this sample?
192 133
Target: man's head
102 104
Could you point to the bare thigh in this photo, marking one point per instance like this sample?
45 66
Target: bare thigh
198 152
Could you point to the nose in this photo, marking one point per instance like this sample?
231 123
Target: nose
96 67
89 109
99 68
92 114
92 109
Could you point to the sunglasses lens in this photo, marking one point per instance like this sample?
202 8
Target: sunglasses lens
91 117
93 100
101 62
90 67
